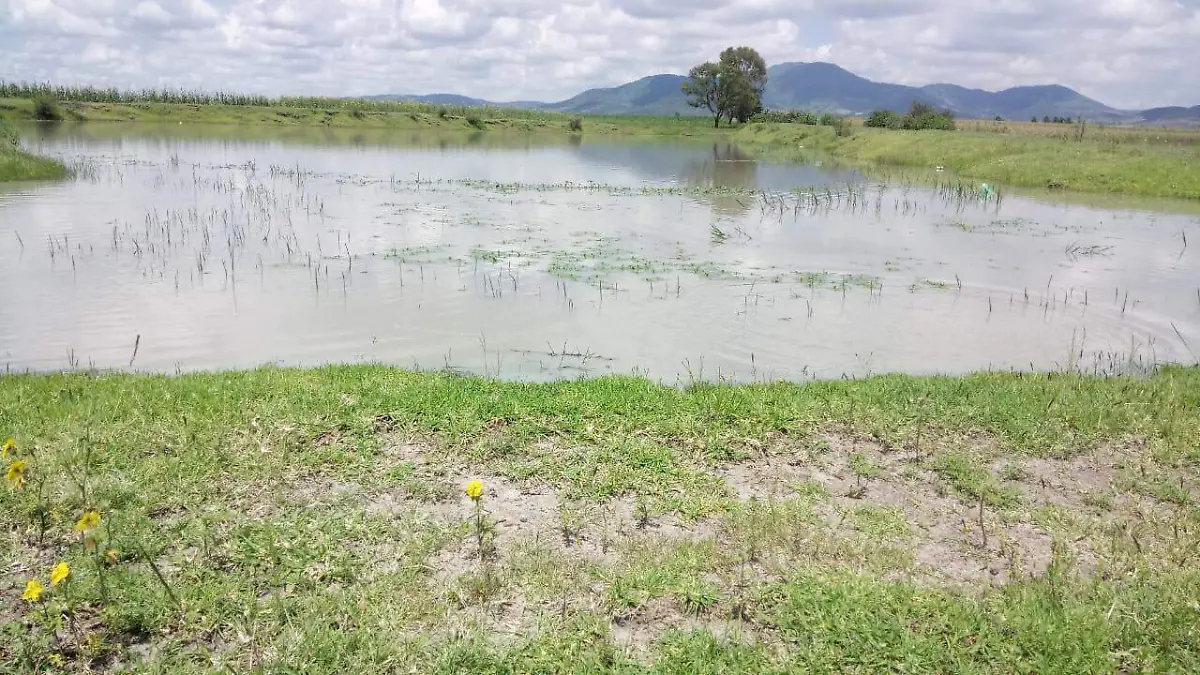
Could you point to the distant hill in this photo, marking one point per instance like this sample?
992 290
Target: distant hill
1172 116
454 99
654 95
434 99
825 87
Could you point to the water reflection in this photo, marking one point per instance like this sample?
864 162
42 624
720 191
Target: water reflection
531 257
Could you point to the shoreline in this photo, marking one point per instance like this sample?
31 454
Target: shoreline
1102 164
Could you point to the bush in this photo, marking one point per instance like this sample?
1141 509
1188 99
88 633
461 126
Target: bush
575 124
828 120
843 127
922 116
883 119
785 117
46 110
475 120
442 112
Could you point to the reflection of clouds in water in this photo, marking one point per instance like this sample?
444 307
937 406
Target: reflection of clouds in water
642 247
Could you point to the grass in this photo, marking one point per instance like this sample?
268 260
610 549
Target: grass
314 520
16 164
1103 163
356 114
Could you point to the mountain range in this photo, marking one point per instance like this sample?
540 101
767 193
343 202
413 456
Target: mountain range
825 87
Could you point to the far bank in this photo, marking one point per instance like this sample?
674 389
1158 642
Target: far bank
1096 166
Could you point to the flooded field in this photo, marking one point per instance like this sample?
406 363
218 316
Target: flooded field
528 258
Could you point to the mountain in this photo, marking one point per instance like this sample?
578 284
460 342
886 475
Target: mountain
454 99
1172 116
653 95
433 99
825 87
1019 103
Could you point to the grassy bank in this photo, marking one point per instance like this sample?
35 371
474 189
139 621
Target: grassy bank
16 164
315 521
1116 160
1108 164
337 113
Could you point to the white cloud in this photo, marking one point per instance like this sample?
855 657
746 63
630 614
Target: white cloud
1128 53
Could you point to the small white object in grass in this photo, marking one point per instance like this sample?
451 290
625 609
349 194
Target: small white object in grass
941 169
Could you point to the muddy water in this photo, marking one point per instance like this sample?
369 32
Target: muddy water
188 248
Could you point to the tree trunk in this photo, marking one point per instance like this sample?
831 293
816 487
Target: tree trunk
717 121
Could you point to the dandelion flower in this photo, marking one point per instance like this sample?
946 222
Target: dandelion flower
113 556
60 573
88 521
16 474
10 448
475 489
33 591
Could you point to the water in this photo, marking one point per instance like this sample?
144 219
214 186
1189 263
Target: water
538 258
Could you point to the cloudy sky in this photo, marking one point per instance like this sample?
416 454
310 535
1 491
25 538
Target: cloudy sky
1127 53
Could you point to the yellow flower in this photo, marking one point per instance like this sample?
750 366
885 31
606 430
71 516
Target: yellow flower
113 556
33 591
88 521
10 447
60 573
16 474
475 489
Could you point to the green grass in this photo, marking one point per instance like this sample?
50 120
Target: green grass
1149 170
366 115
313 521
16 164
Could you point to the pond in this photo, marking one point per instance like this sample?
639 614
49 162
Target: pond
527 257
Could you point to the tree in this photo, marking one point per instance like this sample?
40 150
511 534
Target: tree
702 90
883 119
1034 119
1045 119
742 79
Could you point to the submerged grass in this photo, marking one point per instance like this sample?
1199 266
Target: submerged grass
1093 165
307 520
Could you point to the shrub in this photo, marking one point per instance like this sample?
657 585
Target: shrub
828 120
883 119
442 112
785 117
575 124
922 116
46 110
475 120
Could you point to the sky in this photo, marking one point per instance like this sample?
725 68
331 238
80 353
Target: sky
1127 53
